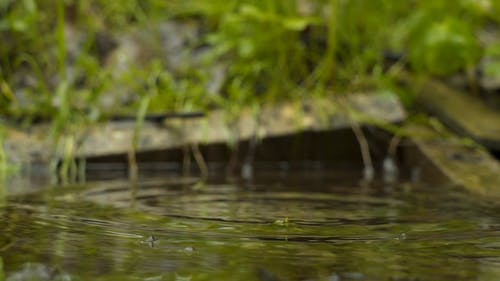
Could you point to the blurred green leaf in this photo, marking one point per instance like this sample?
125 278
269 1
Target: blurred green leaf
296 24
30 5
444 47
493 69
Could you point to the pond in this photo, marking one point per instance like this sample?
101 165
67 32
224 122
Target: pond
283 225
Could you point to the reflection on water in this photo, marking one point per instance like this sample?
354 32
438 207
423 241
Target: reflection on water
293 227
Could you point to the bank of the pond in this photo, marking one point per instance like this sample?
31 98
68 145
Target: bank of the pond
436 154
116 138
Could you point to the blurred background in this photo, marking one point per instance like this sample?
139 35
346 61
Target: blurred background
86 61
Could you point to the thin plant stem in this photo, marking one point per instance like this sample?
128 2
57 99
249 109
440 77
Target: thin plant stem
186 161
233 160
132 159
61 39
393 145
82 166
132 164
66 170
365 151
198 157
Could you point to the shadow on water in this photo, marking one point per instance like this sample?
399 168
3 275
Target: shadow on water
293 225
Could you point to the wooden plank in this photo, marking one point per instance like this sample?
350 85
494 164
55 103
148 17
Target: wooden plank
465 114
112 138
453 161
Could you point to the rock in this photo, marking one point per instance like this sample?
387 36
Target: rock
126 55
177 38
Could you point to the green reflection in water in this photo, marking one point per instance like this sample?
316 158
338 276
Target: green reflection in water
2 275
229 232
3 192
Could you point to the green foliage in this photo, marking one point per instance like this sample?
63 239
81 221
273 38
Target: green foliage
2 274
444 47
272 50
441 38
17 17
19 21
262 43
362 34
182 94
492 69
6 167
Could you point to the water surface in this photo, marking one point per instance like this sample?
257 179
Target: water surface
281 226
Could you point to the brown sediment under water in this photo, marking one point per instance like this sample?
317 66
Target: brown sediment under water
284 224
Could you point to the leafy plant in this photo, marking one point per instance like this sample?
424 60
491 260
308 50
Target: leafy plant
444 47
262 43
